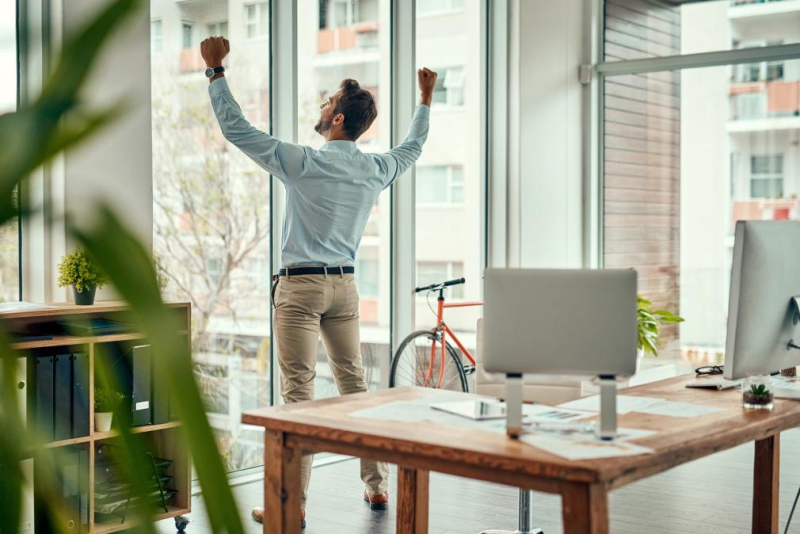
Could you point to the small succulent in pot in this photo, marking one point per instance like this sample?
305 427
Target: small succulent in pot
757 393
77 269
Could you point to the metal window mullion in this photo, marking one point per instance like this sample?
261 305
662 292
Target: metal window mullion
403 97
593 138
496 179
705 59
283 124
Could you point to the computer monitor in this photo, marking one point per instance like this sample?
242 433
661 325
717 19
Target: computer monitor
762 312
573 322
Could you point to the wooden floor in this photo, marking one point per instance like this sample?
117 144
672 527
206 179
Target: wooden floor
709 496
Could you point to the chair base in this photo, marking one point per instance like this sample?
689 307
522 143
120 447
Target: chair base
534 531
525 498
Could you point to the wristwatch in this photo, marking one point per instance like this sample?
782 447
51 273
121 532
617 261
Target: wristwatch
212 71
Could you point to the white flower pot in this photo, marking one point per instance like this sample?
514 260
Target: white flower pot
639 358
102 421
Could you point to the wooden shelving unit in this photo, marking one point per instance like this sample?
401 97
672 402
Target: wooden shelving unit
166 438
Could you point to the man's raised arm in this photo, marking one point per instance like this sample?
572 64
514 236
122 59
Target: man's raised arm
284 160
403 156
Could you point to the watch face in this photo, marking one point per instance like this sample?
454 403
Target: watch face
209 72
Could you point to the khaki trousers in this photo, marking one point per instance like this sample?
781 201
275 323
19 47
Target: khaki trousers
305 307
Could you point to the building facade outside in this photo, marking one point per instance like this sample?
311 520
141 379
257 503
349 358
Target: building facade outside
740 152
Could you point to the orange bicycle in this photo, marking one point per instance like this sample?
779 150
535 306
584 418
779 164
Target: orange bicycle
426 358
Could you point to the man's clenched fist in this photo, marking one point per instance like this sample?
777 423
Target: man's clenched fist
214 50
427 81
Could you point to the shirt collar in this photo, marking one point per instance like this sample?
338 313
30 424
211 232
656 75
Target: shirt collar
340 144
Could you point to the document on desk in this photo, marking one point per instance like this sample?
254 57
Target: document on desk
648 405
679 409
625 403
584 447
421 411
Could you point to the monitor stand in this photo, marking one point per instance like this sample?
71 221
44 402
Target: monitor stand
514 386
608 407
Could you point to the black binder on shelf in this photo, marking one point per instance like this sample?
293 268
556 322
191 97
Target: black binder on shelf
80 394
70 484
70 491
63 397
161 394
40 403
83 487
141 369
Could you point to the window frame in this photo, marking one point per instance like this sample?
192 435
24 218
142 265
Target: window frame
260 32
450 184
187 24
602 69
156 39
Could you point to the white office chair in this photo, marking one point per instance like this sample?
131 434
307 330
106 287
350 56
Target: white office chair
486 384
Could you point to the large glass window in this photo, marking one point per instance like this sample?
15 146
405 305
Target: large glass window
449 173
339 39
690 152
649 28
9 233
211 214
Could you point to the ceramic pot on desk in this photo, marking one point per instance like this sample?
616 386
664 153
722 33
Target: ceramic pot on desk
102 421
639 358
85 297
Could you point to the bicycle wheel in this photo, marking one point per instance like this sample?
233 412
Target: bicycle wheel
411 365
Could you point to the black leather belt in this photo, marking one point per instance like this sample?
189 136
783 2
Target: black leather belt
299 271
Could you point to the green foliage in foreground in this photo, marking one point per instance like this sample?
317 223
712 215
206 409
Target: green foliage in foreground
38 131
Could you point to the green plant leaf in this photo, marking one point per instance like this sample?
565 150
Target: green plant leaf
131 270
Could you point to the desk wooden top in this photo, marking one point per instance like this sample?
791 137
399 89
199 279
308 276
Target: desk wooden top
678 440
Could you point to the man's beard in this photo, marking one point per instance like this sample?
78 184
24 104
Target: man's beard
323 126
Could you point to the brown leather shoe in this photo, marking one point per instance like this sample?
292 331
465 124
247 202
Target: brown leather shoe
377 502
257 514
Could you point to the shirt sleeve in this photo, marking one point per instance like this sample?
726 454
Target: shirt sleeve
403 156
284 160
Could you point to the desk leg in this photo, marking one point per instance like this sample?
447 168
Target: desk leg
281 485
584 508
765 485
412 501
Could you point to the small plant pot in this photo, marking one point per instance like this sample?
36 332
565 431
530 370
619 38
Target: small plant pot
85 297
102 421
757 393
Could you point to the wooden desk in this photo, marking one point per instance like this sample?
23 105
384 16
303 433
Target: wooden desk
418 448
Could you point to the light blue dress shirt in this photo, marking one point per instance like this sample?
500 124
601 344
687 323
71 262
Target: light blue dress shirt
329 192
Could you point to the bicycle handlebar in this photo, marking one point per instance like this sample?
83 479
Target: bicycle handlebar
441 285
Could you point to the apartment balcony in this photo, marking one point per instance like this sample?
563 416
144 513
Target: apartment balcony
766 209
191 61
361 37
765 106
763 9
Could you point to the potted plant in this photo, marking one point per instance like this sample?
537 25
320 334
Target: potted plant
649 323
105 402
79 271
757 393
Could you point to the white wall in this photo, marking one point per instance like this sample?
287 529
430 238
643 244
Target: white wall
705 178
545 129
116 165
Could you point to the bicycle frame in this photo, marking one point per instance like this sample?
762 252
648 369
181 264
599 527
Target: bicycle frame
442 328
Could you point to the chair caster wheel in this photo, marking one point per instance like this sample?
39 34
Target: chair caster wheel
181 523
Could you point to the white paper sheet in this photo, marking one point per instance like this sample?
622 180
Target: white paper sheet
584 448
544 413
8 307
679 409
417 412
625 403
